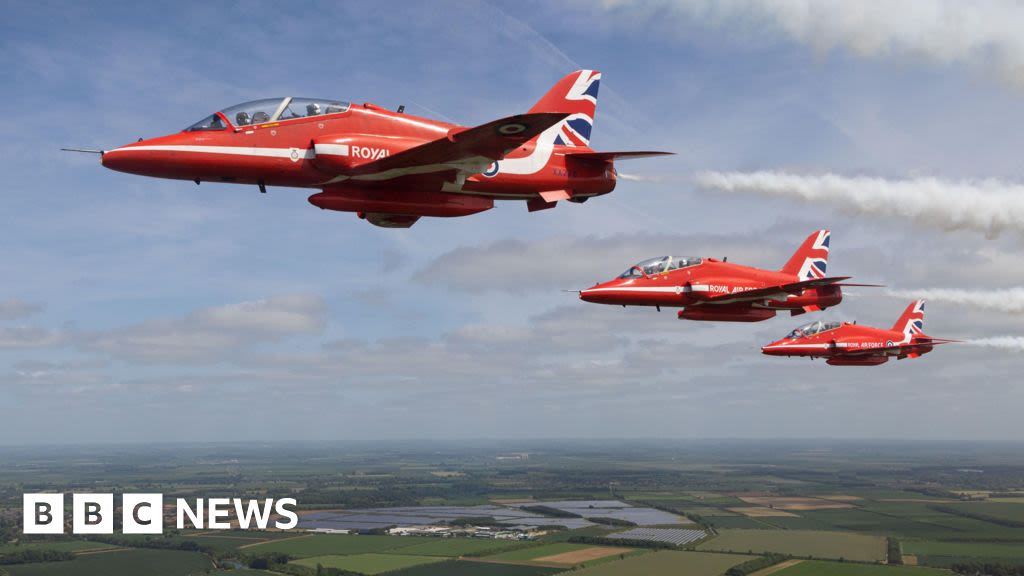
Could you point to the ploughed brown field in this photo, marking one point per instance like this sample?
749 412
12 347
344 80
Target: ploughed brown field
585 555
760 512
795 503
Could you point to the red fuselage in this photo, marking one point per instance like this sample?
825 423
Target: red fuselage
285 153
712 290
851 344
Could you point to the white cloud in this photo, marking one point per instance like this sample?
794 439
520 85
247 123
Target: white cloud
983 33
570 263
13 337
213 333
13 309
989 206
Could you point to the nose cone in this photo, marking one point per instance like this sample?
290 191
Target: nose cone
125 159
773 349
600 293
161 157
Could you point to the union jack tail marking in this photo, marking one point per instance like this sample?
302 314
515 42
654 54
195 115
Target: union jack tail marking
911 322
810 261
576 95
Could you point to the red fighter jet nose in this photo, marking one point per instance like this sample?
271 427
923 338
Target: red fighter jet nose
773 349
595 294
121 159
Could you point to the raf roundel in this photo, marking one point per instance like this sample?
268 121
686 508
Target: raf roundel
512 129
492 170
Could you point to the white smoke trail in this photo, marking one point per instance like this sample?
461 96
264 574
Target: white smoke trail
1003 342
990 206
1010 300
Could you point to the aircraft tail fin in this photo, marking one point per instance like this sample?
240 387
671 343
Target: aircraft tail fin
575 95
911 322
811 259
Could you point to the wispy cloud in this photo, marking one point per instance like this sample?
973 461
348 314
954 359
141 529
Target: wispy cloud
12 309
215 333
990 206
1010 300
983 34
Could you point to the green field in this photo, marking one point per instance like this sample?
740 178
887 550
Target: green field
1000 510
819 544
736 522
527 554
334 544
819 568
467 568
454 547
126 562
1003 550
372 563
563 535
61 545
667 563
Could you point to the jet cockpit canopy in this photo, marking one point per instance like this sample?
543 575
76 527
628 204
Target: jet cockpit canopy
269 110
659 265
812 328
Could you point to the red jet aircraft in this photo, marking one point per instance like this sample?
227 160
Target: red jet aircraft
845 344
710 289
389 167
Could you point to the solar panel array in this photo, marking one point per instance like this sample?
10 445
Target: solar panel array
641 516
675 536
371 518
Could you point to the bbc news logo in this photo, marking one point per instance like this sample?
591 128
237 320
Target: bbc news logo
144 513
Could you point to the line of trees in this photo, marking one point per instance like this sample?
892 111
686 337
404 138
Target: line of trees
1009 523
600 541
32 555
751 566
610 521
987 569
549 511
894 552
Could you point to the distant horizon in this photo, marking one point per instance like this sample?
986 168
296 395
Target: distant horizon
523 441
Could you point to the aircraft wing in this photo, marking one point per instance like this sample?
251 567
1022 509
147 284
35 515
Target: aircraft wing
609 156
468 150
770 291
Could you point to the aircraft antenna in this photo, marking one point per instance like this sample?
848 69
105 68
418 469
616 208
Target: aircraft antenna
86 150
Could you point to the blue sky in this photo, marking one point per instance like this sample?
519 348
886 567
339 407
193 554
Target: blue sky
136 309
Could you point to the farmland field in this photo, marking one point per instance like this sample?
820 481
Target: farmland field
736 522
371 563
1001 510
62 545
760 511
1002 550
454 547
667 563
120 563
534 552
334 544
469 568
794 503
819 544
819 568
